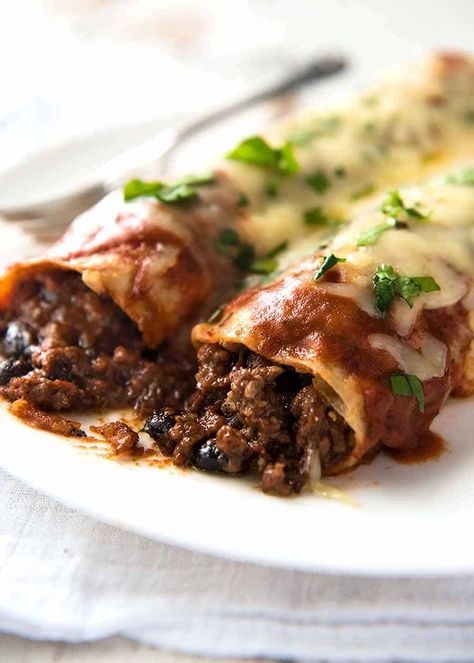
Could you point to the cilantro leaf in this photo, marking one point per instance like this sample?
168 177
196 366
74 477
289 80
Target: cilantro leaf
287 163
394 207
464 176
408 385
257 152
229 237
315 217
243 256
410 287
371 235
271 188
242 200
180 191
388 283
279 248
328 262
268 263
263 265
323 127
384 281
363 191
136 188
318 181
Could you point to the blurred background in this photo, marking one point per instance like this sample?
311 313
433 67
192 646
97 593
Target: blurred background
76 66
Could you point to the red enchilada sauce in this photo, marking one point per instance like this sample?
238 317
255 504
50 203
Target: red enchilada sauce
430 446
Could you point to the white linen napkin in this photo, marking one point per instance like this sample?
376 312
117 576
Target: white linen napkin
64 576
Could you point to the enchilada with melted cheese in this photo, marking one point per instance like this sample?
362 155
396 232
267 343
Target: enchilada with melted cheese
333 259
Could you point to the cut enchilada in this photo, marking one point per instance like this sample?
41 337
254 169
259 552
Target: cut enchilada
356 347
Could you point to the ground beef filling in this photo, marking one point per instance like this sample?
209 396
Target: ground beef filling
63 347
247 412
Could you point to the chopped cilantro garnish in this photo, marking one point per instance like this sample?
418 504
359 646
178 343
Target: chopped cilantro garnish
388 283
268 263
279 248
363 191
323 127
271 188
340 171
394 207
257 152
408 385
371 235
328 262
230 245
229 237
263 265
182 190
324 244
242 254
245 257
464 176
318 181
315 217
242 200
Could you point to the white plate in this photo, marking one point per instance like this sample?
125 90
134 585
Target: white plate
411 520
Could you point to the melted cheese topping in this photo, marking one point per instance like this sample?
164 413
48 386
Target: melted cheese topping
406 129
440 246
427 363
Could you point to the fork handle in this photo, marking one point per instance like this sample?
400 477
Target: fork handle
315 70
161 147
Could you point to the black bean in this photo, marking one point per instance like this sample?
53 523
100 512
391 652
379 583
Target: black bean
61 370
18 338
49 296
160 423
207 457
13 368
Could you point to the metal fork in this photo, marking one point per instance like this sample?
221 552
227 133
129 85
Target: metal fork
57 213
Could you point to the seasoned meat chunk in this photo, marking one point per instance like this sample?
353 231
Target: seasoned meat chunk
65 347
247 412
